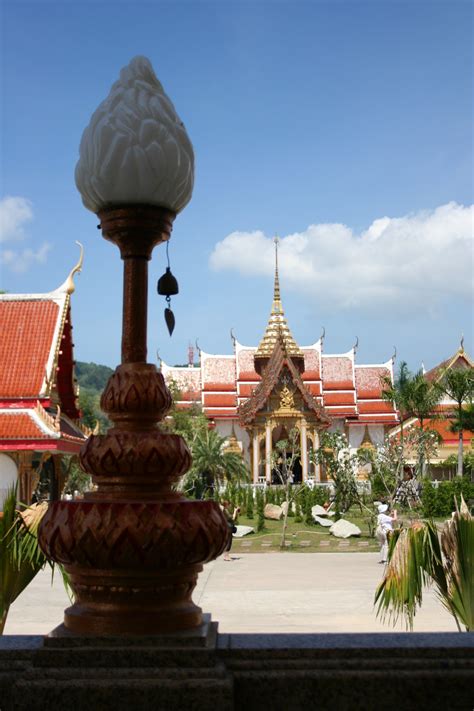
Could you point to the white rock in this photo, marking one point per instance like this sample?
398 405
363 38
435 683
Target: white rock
321 511
135 148
284 507
272 511
344 529
323 521
242 531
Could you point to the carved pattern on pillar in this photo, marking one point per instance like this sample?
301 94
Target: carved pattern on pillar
134 547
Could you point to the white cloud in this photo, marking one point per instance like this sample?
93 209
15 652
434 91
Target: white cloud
20 261
15 212
402 262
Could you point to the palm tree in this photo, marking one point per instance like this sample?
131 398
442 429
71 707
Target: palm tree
20 556
212 462
421 398
418 556
458 385
396 393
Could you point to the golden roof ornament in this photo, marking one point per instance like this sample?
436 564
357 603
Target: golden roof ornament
277 327
367 441
232 444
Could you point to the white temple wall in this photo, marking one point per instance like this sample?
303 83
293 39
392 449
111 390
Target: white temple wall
377 434
336 426
8 476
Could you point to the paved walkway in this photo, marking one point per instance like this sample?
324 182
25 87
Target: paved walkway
270 592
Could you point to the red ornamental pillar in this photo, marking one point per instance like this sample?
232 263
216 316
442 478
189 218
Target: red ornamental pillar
134 547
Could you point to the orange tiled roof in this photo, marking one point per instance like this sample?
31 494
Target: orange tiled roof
19 425
36 423
27 331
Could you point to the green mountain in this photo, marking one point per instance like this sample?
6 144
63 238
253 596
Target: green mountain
92 376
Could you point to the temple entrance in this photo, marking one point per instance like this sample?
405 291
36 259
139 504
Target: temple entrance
281 434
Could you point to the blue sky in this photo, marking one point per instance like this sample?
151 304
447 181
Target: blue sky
343 127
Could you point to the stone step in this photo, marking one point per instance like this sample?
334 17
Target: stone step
198 694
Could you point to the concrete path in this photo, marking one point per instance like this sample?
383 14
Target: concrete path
269 592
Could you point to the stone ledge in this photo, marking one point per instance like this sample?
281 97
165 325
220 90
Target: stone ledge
247 672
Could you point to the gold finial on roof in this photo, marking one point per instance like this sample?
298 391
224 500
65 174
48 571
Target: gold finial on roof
367 441
68 286
277 327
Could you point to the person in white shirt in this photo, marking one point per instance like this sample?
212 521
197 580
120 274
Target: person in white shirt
384 528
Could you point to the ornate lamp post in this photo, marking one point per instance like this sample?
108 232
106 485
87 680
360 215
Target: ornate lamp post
133 548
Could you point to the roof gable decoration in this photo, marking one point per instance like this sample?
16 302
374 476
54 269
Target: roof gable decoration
460 359
280 378
36 342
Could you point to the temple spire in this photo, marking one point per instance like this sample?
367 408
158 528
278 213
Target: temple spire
276 307
277 327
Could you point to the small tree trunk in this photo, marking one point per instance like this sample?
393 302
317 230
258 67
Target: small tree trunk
285 515
460 454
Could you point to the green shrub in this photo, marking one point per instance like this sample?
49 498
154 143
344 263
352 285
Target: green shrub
319 495
308 516
260 508
250 502
440 501
298 516
428 499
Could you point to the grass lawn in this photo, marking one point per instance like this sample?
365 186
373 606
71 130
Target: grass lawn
302 538
309 539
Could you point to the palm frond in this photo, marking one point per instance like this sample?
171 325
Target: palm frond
457 541
20 555
419 556
412 553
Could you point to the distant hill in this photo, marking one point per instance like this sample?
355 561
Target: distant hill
92 379
91 376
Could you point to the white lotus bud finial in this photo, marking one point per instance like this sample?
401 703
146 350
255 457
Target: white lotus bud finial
135 148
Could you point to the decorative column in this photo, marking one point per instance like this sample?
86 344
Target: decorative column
268 452
134 547
304 451
255 456
317 444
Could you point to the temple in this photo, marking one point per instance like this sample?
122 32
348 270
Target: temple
38 395
442 465
258 394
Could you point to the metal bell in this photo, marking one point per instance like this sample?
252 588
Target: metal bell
167 284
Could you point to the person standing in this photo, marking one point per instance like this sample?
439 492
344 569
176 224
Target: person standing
384 529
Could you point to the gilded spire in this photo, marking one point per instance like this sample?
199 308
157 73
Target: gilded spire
277 327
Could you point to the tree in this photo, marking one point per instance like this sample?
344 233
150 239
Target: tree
213 463
341 467
458 385
419 555
397 393
422 397
283 458
91 414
